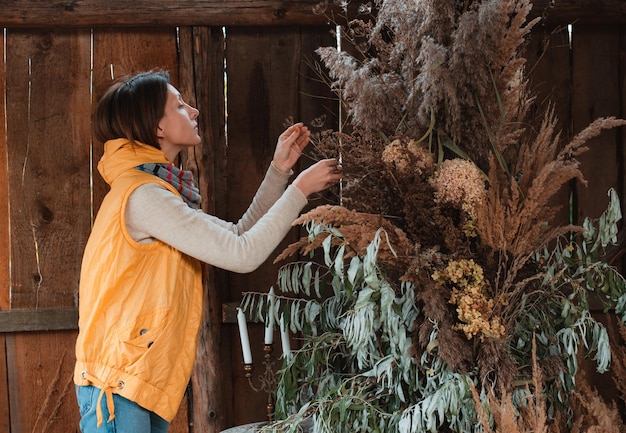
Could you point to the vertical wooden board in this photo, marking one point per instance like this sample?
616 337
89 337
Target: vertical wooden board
622 79
48 157
122 51
187 88
548 69
596 93
5 419
319 106
118 52
180 424
4 246
46 400
202 84
262 79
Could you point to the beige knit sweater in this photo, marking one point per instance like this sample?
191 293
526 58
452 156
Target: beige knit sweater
154 213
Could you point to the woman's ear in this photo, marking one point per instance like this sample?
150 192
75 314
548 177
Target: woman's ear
159 131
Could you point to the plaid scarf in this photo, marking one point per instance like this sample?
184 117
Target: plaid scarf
182 180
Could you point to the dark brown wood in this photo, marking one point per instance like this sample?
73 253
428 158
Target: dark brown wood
596 93
50 319
563 12
202 83
229 312
5 413
262 67
186 86
620 257
5 248
318 105
548 68
96 13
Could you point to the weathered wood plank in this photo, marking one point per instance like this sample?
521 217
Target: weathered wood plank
48 159
621 253
202 84
548 68
580 11
48 319
40 382
318 106
95 13
263 75
5 417
118 52
186 85
5 247
596 93
229 312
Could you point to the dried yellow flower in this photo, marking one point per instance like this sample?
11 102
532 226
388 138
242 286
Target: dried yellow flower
469 294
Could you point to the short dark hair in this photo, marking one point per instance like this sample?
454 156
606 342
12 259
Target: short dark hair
132 108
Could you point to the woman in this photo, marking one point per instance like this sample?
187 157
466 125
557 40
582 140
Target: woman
141 287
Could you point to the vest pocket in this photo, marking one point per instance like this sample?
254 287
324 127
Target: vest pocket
136 338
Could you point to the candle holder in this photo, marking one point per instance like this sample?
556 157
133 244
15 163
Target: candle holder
267 379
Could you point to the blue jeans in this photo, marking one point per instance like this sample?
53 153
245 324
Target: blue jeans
129 416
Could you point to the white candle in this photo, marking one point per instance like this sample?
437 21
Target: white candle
284 338
269 326
243 335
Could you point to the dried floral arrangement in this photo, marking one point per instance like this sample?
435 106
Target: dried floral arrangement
440 295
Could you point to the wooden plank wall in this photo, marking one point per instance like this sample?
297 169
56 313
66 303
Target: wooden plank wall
268 81
49 81
52 79
48 178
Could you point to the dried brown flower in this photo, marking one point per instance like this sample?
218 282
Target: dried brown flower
460 183
358 231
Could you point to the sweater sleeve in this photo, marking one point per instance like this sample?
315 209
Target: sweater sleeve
271 189
155 213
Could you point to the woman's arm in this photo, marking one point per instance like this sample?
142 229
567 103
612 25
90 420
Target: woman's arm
154 212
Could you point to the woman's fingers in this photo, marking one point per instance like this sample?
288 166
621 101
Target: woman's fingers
319 176
335 171
296 137
302 137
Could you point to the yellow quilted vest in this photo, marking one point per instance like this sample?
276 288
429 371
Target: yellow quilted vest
140 305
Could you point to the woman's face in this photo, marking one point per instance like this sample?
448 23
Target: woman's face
178 128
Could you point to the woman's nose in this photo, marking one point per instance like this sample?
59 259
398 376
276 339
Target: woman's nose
193 112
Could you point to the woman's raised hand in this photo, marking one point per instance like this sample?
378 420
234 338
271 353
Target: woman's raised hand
290 145
319 176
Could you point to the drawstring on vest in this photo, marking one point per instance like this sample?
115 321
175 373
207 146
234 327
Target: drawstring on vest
105 390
